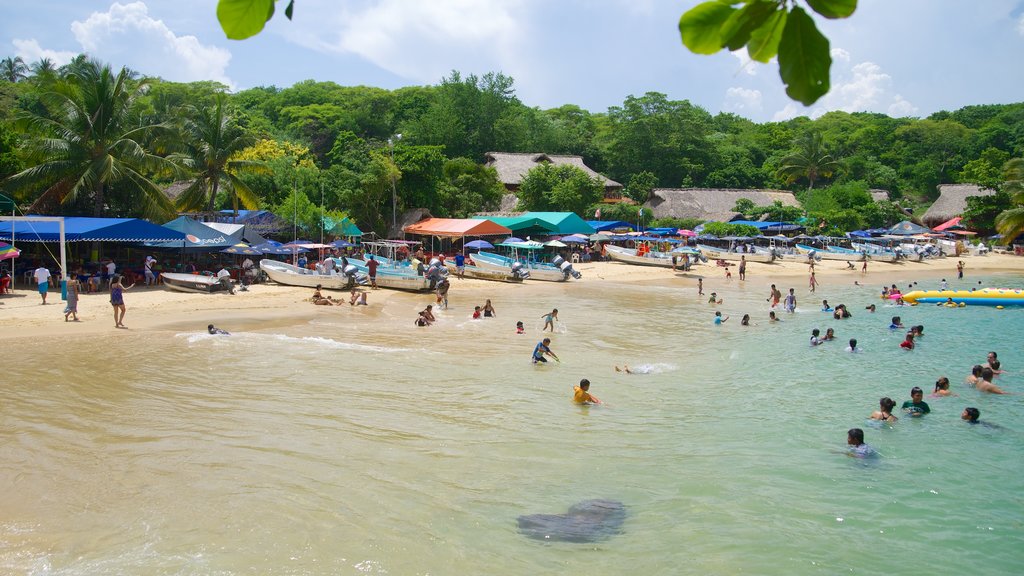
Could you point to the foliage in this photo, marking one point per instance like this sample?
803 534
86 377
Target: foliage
721 229
640 186
1010 222
985 170
769 28
678 223
810 160
87 143
9 161
241 19
982 212
618 211
467 187
13 69
561 188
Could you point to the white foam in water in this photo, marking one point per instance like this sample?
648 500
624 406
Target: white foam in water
249 337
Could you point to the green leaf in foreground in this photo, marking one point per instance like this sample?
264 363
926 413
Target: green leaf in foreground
804 60
833 8
700 27
764 41
737 29
288 11
241 19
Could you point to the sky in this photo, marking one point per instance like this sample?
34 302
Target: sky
897 57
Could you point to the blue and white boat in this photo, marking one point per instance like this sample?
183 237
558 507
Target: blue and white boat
557 271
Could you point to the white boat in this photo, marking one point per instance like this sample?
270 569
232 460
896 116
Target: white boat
713 253
538 271
663 259
396 278
825 254
877 253
194 283
284 273
506 275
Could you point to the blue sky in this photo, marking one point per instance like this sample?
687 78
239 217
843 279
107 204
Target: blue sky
900 57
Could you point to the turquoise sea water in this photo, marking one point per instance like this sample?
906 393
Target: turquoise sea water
354 445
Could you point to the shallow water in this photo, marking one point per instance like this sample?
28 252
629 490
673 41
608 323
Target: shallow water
354 445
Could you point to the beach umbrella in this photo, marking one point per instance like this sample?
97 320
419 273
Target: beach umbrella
341 244
480 245
242 248
686 233
7 251
555 244
512 239
599 237
908 228
574 239
279 249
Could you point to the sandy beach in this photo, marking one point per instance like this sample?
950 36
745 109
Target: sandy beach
269 305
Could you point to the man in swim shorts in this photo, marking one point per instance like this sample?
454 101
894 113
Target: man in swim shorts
542 349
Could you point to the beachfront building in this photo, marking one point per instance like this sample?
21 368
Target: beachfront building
513 166
952 202
710 204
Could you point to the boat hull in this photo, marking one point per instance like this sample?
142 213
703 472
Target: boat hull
496 262
192 283
830 254
716 254
395 279
484 273
289 275
661 259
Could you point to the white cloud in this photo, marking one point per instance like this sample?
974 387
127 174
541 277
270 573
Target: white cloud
901 108
422 41
30 51
126 35
747 64
790 111
1020 25
743 101
839 54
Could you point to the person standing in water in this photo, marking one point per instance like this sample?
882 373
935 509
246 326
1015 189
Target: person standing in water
549 320
790 304
541 350
743 267
774 296
117 300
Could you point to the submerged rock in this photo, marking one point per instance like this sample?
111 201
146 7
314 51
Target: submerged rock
586 521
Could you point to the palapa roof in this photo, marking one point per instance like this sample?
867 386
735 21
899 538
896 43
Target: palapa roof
879 195
457 228
513 166
952 202
710 204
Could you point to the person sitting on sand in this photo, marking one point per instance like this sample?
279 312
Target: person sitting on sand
316 293
214 330
549 320
942 388
857 447
328 301
358 298
541 349
916 406
884 412
580 394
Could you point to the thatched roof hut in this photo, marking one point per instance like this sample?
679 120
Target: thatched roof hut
513 166
714 204
952 202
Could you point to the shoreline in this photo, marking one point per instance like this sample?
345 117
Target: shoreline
269 306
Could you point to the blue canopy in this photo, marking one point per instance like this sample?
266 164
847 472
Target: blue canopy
605 225
765 226
198 236
90 230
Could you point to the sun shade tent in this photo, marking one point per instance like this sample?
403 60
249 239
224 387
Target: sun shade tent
128 230
345 227
242 232
908 228
197 237
606 225
951 223
456 228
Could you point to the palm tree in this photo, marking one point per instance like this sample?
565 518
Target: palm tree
86 139
13 69
43 67
1010 223
810 161
211 141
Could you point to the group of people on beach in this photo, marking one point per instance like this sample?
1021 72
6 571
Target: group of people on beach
356 298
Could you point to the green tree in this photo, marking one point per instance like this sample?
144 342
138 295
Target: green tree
721 229
640 186
559 188
212 143
13 69
468 187
986 170
87 141
1010 223
810 160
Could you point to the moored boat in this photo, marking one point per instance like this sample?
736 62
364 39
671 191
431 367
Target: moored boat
827 254
538 270
195 283
713 253
663 259
289 275
504 275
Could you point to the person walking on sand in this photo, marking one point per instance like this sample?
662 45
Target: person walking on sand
371 268
812 281
864 267
549 320
42 276
117 300
72 306
960 269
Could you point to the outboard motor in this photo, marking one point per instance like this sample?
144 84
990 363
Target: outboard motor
436 271
353 274
565 267
520 271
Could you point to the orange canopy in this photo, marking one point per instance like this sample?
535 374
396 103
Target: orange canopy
456 228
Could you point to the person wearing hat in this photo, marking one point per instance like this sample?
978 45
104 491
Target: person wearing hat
150 275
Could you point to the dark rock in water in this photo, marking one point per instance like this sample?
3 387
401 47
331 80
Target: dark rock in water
587 521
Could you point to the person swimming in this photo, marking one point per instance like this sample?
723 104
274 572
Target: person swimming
884 412
857 447
520 329
641 369
214 330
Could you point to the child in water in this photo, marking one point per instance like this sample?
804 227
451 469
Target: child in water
519 328
857 447
549 320
580 394
476 313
